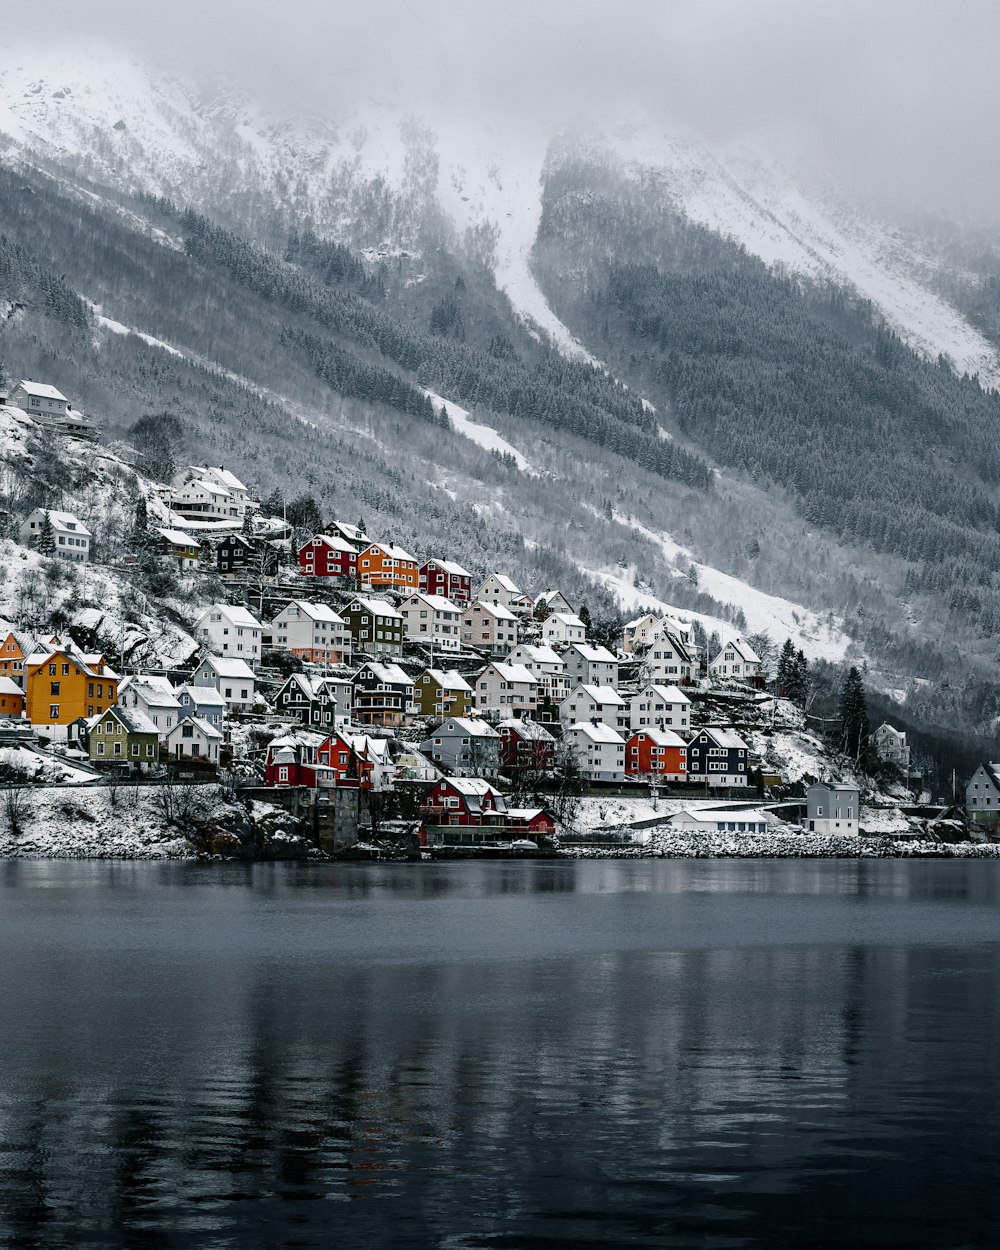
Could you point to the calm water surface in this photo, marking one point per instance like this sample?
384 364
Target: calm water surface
648 1053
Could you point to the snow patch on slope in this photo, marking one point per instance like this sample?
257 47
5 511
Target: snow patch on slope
485 435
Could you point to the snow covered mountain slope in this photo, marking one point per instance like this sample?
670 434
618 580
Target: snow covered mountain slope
384 180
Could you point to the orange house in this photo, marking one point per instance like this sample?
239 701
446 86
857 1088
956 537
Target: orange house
657 753
11 658
384 566
65 685
11 699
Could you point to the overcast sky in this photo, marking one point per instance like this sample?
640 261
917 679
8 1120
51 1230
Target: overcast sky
902 93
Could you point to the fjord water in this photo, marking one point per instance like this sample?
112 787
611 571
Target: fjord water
650 1053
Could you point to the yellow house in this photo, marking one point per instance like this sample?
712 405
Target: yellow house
64 685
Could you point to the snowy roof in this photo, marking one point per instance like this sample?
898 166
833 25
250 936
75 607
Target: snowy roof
235 615
202 696
842 786
660 737
223 666
7 686
641 620
593 655
224 476
566 618
389 674
377 607
600 694
596 733
437 603
202 725
474 728
65 521
742 649
449 566
497 610
315 611
716 815
391 550
179 538
135 722
669 694
206 484
450 679
329 540
725 738
472 786
548 595
527 729
513 672
538 654
154 690
41 390
505 583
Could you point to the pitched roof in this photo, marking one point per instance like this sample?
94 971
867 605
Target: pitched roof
134 721
474 728
391 550
178 538
593 655
315 611
742 649
512 672
377 607
567 618
329 540
597 733
66 521
437 603
202 695
669 694
472 787
449 566
660 737
725 738
389 674
151 688
202 725
236 615
41 390
530 730
450 679
9 686
224 666
600 694
538 654
505 583
494 609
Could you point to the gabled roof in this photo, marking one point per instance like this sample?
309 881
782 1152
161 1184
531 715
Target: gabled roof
315 611
202 725
548 595
494 609
566 618
227 479
841 787
65 522
472 787
669 694
41 390
388 674
743 649
538 653
717 815
131 720
529 730
225 666
474 728
437 603
235 615
596 733
660 737
9 686
178 538
448 566
600 694
202 695
593 655
505 583
151 688
330 540
724 738
391 550
511 672
377 607
449 679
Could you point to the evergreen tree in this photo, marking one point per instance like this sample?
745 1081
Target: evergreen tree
785 669
798 680
361 527
46 536
853 713
247 528
140 538
274 504
584 615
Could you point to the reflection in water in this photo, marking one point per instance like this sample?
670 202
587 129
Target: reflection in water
502 1055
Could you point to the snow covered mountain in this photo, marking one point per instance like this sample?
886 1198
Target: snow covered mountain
386 181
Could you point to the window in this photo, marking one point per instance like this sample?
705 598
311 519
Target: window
54 712
65 670
54 688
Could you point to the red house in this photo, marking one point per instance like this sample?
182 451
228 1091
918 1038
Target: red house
443 577
530 822
462 801
526 746
327 556
293 760
653 752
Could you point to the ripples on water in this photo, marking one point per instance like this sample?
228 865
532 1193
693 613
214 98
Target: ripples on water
501 1055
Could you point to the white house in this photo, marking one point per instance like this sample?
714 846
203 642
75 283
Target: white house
638 635
737 661
194 738
433 619
832 808
232 631
563 627
597 704
553 601
891 746
209 493
312 631
982 795
466 747
671 655
590 666
547 665
232 678
489 626
71 538
598 750
202 702
154 697
498 588
507 688
39 400
660 707
719 820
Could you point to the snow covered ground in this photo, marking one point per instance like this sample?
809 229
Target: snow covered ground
484 435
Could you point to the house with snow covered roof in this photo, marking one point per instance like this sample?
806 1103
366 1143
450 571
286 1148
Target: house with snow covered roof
509 689
553 601
719 820
718 757
434 620
590 666
597 750
232 630
563 627
982 795
659 754
202 703
152 696
501 589
660 707
328 555
465 747
833 807
672 655
386 566
194 738
209 492
442 692
547 665
737 661
597 704
38 399
11 699
71 538
489 627
179 546
447 579
526 747
233 678
320 702
375 626
312 631
123 736
383 694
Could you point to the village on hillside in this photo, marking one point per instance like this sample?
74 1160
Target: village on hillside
378 694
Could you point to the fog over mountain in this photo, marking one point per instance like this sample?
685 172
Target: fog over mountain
897 98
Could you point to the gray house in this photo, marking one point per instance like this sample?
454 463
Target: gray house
587 665
982 795
467 748
832 808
